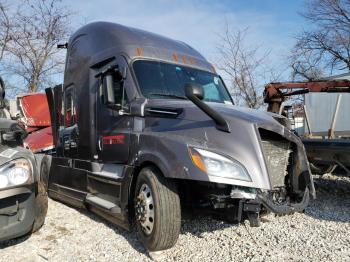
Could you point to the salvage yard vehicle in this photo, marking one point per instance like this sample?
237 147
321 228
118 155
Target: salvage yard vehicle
143 126
23 198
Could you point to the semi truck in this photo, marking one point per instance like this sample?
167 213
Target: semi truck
144 127
23 196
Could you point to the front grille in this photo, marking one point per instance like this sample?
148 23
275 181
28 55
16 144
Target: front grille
277 154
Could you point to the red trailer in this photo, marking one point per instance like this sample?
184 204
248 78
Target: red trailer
32 111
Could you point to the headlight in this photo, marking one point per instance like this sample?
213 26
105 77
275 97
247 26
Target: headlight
218 165
15 172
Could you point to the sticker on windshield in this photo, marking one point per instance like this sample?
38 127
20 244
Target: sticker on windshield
8 153
178 68
216 80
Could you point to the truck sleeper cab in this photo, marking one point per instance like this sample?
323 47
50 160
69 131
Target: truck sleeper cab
143 126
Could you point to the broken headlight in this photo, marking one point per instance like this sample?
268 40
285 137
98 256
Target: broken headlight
16 172
218 165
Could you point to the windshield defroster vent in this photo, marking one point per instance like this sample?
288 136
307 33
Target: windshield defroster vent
163 112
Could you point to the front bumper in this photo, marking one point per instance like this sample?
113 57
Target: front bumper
285 208
239 203
17 211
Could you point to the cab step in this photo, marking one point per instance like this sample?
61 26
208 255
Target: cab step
102 203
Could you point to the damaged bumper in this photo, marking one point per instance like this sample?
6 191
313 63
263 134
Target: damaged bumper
242 203
17 212
266 200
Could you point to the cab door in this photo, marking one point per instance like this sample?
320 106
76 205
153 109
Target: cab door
67 182
113 126
112 120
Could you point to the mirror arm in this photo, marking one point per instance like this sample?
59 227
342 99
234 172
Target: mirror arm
220 122
196 94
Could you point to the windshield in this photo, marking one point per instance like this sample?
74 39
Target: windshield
163 80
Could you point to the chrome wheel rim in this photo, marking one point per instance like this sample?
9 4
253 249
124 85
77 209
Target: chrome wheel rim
144 209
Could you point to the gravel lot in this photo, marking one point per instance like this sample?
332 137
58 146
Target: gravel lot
322 233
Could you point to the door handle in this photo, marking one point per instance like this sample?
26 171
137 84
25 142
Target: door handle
66 144
100 143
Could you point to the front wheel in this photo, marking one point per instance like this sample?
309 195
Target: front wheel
157 210
41 201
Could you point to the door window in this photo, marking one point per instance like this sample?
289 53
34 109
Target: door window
69 108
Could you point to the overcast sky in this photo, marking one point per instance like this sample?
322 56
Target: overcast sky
272 23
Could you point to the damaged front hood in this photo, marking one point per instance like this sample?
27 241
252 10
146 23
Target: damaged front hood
266 120
261 118
192 127
231 113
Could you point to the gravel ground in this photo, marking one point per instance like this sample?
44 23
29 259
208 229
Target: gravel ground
322 233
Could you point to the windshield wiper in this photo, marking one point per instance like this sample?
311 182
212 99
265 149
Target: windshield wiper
168 95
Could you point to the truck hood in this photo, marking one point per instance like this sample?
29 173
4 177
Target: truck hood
9 153
191 127
191 112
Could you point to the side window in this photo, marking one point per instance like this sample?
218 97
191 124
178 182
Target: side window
69 107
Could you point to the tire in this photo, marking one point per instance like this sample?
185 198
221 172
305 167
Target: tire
41 202
163 206
41 205
45 170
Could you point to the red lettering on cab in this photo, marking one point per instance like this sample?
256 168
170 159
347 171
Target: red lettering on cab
114 140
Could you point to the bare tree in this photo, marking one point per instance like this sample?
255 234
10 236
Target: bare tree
326 46
246 67
5 28
36 28
304 69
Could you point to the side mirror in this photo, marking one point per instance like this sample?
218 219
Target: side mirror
108 89
192 90
110 76
11 132
2 89
112 88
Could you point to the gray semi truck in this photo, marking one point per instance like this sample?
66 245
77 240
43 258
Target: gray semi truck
23 198
143 127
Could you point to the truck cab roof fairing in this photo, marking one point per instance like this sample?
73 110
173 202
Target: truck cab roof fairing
114 38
